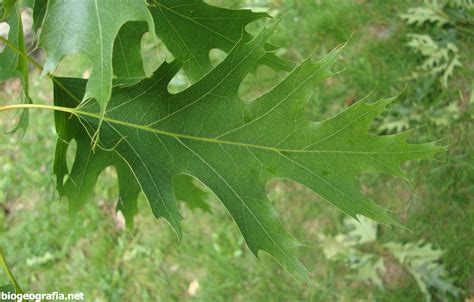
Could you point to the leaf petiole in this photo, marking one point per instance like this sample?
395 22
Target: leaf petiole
37 106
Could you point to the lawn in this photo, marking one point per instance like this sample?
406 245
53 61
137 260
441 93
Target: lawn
94 253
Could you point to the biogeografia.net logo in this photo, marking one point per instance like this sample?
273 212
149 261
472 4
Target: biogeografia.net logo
54 296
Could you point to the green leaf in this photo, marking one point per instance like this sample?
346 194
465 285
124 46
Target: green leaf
88 165
440 59
39 11
367 268
235 148
7 7
191 28
422 261
363 230
430 13
9 59
95 26
13 65
127 60
77 184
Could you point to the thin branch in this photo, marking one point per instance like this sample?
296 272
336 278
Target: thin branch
38 66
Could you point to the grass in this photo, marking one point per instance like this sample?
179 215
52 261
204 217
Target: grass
49 251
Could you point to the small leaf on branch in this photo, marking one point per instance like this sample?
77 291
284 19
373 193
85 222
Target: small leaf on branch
13 64
95 26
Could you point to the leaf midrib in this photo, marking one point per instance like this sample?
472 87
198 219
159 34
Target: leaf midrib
227 142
